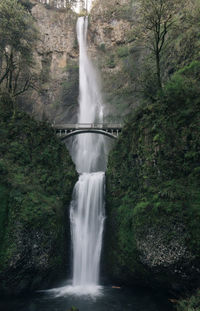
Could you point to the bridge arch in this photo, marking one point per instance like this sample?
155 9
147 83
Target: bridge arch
93 131
65 131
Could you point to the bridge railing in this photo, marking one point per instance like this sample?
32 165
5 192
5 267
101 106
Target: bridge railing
88 126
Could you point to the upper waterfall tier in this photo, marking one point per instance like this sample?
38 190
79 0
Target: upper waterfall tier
80 6
89 155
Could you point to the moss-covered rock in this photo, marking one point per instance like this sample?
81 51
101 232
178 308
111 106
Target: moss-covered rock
153 197
36 182
189 304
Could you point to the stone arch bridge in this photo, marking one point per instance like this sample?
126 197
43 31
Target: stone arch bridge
65 131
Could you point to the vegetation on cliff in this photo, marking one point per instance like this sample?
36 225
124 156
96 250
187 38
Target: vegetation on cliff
36 181
157 19
17 38
125 48
153 196
190 304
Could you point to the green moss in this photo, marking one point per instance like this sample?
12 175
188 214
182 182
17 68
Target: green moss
102 47
152 178
111 61
36 183
190 304
123 51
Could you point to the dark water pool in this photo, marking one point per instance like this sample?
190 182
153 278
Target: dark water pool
109 299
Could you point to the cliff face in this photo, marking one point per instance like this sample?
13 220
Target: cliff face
112 49
126 67
56 65
126 63
36 182
112 25
153 190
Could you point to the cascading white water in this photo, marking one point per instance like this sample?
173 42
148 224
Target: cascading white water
87 207
87 216
88 152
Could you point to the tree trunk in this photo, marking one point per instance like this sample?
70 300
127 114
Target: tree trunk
11 73
159 80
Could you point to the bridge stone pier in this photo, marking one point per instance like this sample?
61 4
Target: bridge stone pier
65 131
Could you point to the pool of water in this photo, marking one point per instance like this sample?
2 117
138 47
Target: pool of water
105 299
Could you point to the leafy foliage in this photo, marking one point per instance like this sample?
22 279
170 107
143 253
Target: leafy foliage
190 304
17 38
36 181
153 174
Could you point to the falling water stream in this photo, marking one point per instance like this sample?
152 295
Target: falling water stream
87 207
88 151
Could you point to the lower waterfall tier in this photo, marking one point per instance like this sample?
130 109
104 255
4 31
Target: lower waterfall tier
87 221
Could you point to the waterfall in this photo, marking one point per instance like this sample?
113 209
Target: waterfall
87 217
88 153
87 206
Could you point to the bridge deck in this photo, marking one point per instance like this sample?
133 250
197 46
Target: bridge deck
88 126
109 129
